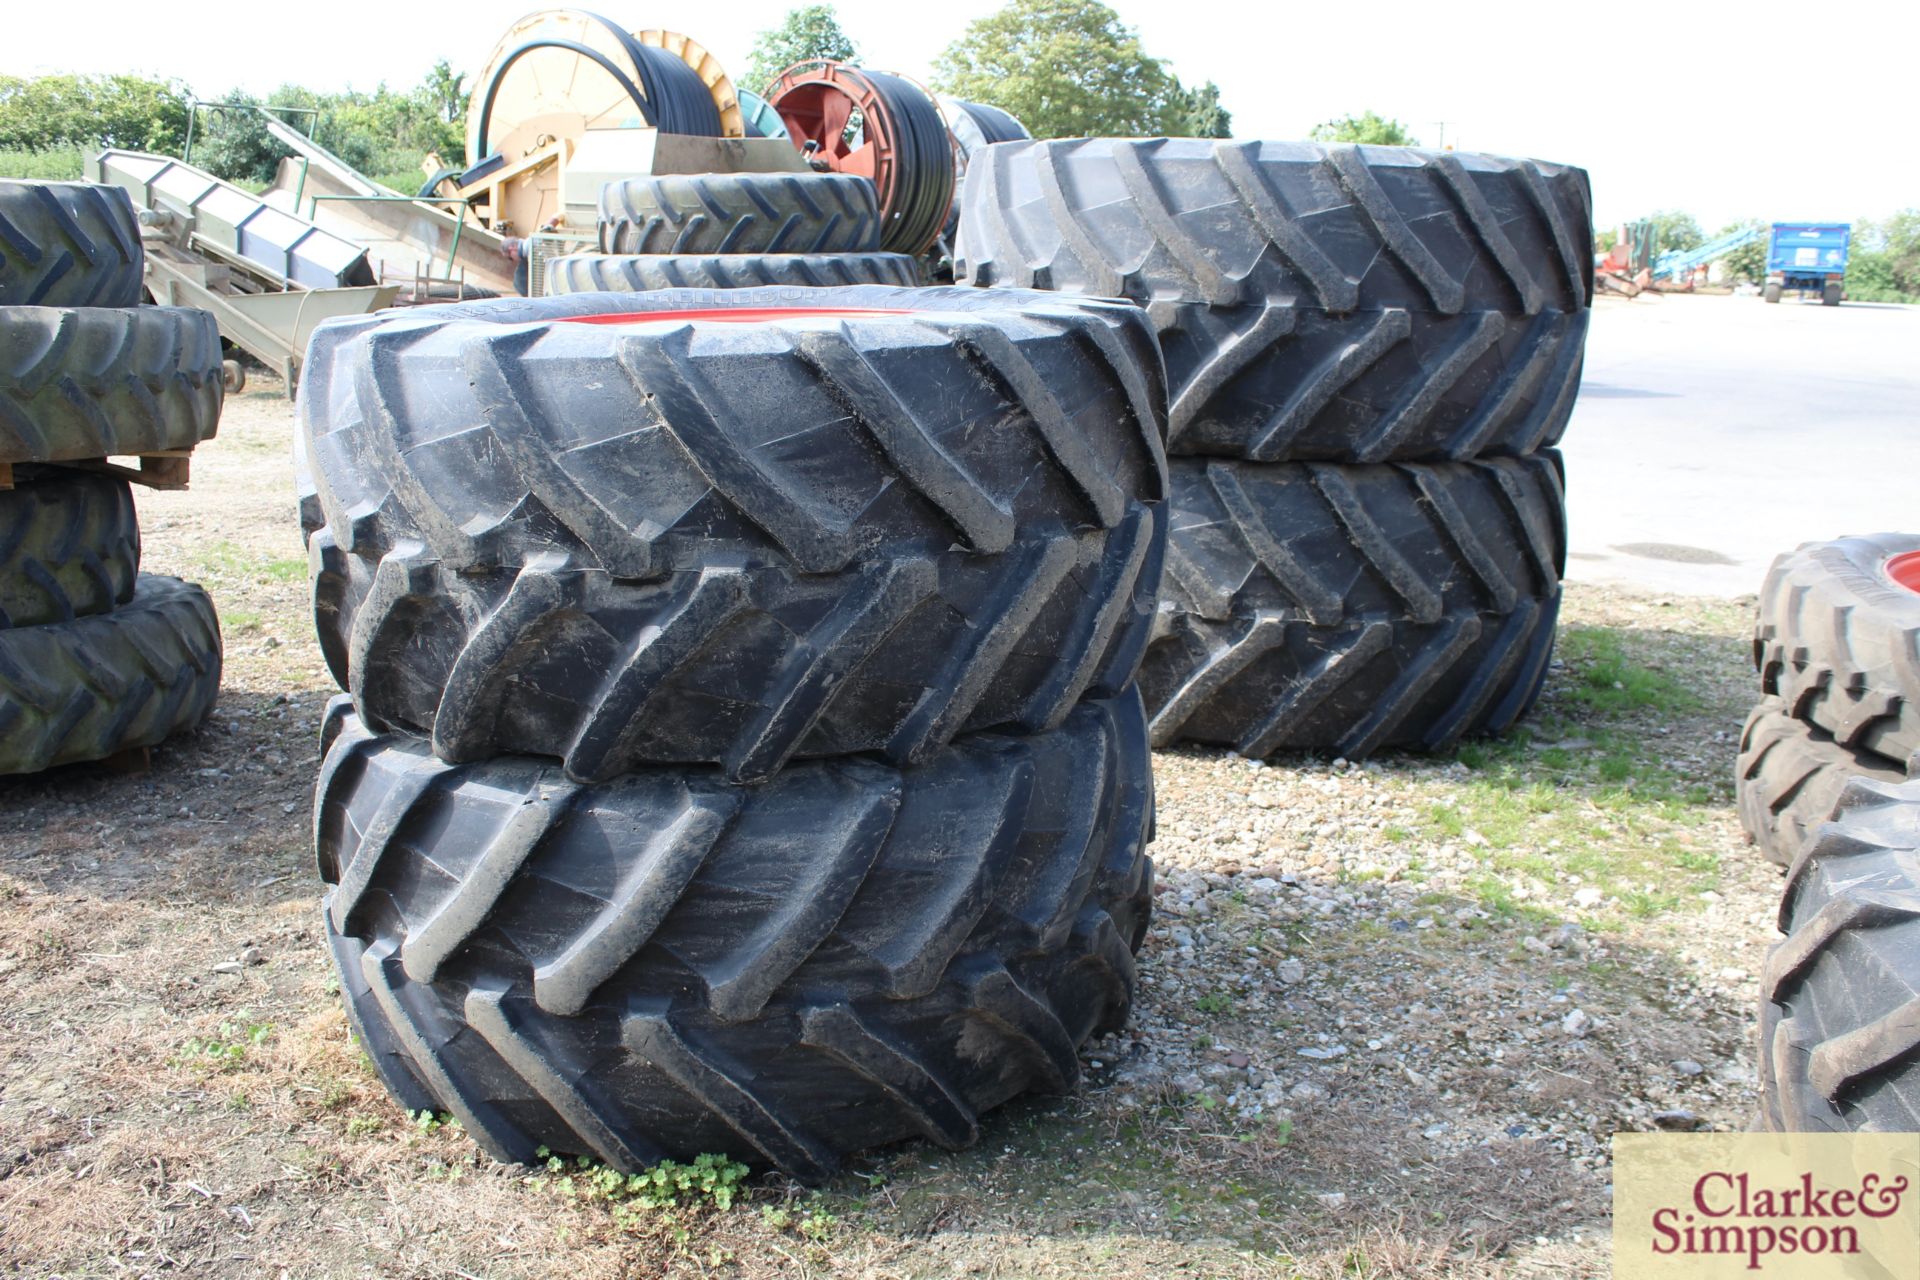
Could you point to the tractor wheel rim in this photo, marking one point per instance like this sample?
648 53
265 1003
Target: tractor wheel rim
1904 570
735 315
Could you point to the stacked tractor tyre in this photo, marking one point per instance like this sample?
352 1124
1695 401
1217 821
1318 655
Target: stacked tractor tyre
741 751
1837 647
734 231
1821 787
96 658
1371 352
827 227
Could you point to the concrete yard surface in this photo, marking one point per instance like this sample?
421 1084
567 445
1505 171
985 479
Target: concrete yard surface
1713 433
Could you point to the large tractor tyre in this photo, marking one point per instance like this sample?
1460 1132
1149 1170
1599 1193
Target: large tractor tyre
1309 606
1840 997
1771 293
1789 778
68 244
69 546
1274 383
747 668
1830 294
111 682
643 273
1328 302
666 965
740 213
89 382
1838 639
840 530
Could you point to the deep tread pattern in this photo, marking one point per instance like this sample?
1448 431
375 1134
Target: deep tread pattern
1276 382
740 213
1789 778
1350 608
1333 543
89 689
746 668
642 273
68 244
1839 641
1340 228
830 536
494 432
1348 304
89 382
1840 997
665 965
69 546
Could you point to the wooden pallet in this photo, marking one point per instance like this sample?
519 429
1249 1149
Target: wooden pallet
165 469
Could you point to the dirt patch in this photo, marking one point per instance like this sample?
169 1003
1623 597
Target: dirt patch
1390 1013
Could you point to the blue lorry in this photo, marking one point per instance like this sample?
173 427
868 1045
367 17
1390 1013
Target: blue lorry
1808 256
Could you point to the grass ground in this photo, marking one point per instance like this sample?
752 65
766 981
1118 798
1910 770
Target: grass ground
182 1097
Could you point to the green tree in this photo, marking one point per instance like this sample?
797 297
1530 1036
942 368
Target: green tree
1899 238
233 143
1749 261
1674 229
42 112
808 33
1064 68
1883 260
442 88
1198 114
1366 127
384 133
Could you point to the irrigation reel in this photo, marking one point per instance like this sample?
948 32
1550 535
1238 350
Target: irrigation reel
567 96
884 127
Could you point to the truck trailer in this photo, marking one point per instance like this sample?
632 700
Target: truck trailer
1808 257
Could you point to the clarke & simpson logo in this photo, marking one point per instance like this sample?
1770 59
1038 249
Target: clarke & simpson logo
1727 1214
1796 1206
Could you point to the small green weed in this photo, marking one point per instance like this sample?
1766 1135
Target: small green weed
227 1048
432 1122
710 1180
1215 1003
813 1222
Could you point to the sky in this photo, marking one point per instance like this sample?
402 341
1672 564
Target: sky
1685 104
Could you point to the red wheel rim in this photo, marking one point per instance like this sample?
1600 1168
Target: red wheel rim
1905 570
733 315
816 100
